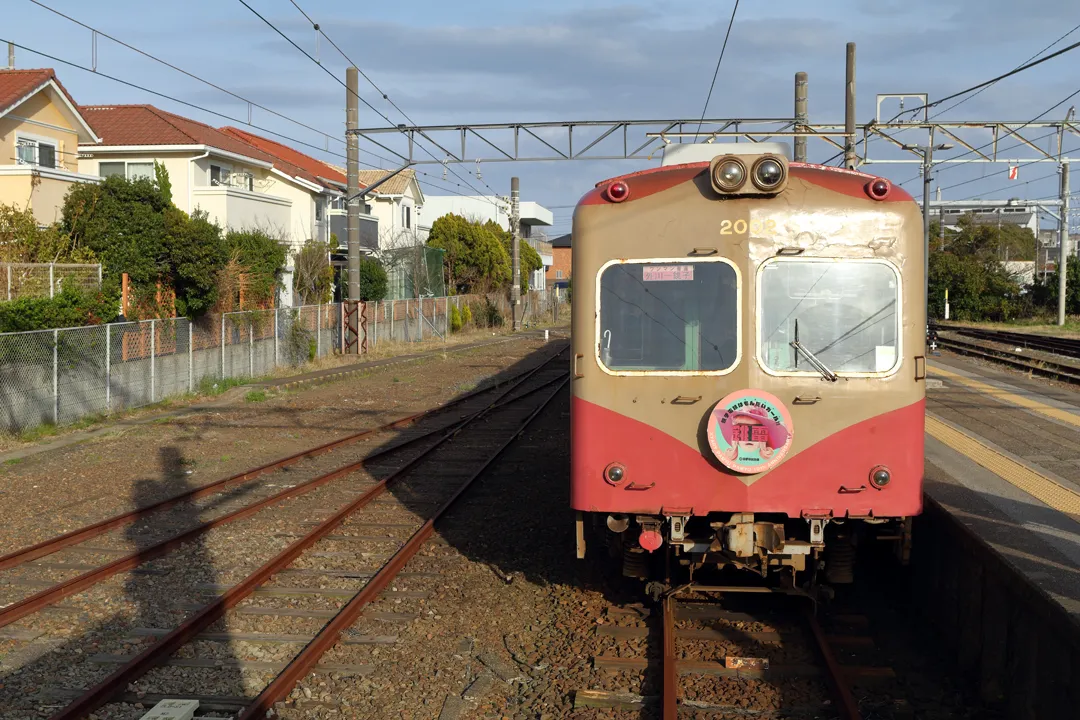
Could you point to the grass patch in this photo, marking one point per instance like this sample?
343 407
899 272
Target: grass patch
256 396
214 386
13 461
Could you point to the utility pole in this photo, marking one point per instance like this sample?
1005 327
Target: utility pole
1063 235
941 218
515 228
352 217
802 117
927 153
850 158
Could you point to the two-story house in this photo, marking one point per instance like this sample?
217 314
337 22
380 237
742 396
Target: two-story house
393 208
237 184
41 129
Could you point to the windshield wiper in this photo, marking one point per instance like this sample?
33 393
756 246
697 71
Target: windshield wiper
818 365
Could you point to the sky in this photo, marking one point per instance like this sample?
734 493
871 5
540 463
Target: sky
479 61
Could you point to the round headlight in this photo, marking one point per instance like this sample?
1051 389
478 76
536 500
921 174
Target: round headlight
730 175
768 173
614 473
880 476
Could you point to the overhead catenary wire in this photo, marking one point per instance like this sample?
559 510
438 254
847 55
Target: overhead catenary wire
982 86
344 85
195 106
716 72
385 96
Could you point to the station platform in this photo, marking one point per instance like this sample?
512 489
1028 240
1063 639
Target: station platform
1003 458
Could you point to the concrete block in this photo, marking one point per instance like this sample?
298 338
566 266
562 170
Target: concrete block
173 710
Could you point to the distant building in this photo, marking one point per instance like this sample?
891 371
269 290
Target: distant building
484 208
558 274
989 212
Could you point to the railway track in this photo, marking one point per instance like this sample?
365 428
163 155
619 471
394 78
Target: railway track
356 491
695 655
1043 365
1067 347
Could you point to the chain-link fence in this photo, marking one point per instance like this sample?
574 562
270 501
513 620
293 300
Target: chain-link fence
20 280
60 376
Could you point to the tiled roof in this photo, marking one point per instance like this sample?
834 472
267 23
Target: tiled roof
314 168
394 186
15 85
148 125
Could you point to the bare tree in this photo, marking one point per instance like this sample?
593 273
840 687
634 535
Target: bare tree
405 258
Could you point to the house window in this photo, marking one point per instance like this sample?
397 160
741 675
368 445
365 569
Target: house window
32 151
136 170
367 208
406 216
131 170
219 175
319 210
111 169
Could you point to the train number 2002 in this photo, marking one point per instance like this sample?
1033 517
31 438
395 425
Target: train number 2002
739 227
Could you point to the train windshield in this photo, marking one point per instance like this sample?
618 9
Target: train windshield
845 312
660 316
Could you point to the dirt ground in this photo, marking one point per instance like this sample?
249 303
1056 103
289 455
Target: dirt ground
53 492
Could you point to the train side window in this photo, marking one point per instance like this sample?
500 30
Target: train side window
669 316
844 311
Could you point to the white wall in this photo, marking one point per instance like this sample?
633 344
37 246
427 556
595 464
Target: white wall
478 207
178 165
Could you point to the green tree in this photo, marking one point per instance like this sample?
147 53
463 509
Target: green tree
529 259
161 177
195 253
373 279
313 275
262 256
123 222
474 257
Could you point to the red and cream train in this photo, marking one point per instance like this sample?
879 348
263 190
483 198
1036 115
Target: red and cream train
748 341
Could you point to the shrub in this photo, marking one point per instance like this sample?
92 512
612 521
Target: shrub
466 315
455 319
72 307
373 279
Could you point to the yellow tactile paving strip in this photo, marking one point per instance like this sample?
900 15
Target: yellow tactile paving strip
1033 483
1009 397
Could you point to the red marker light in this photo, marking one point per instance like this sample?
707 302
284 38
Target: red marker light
879 189
618 191
650 540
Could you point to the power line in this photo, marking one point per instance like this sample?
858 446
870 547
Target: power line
192 75
343 84
987 87
371 82
981 86
190 104
717 70
1014 71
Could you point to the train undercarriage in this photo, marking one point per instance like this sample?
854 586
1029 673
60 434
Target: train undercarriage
770 549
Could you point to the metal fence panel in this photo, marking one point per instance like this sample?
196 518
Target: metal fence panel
59 376
20 280
26 369
82 376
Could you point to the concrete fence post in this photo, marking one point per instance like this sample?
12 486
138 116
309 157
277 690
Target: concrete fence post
190 357
56 377
153 362
251 346
318 331
52 281
108 368
223 316
277 360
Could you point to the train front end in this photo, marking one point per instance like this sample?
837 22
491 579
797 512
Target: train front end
748 364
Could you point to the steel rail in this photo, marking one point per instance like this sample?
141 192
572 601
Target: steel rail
834 674
50 595
303 663
73 537
189 629
669 668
